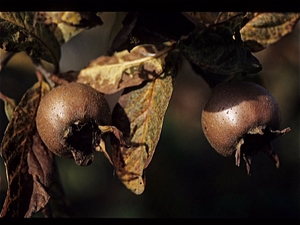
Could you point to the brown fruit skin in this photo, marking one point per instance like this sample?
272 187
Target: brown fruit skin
65 105
235 109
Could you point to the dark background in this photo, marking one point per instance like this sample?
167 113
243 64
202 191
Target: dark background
186 177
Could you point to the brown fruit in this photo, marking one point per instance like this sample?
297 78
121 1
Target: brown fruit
68 120
242 118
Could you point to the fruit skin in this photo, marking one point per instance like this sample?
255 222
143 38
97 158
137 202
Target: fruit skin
242 118
66 110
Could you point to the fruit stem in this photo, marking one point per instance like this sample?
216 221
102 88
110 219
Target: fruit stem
39 67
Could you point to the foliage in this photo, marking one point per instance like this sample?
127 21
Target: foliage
142 62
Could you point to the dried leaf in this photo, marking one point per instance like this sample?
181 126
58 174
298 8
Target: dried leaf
59 206
265 29
40 166
27 161
9 105
71 23
217 52
110 74
139 115
20 31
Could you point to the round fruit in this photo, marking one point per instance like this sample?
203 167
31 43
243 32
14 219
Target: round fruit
68 120
242 118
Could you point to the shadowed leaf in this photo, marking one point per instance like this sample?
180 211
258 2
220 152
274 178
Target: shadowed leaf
28 163
110 74
21 31
139 115
265 29
217 52
202 17
155 28
59 205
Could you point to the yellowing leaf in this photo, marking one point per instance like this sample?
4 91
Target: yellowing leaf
72 23
139 115
265 29
21 31
109 74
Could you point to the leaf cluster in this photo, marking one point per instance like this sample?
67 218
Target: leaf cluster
142 62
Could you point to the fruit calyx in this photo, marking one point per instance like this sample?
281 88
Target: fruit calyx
258 139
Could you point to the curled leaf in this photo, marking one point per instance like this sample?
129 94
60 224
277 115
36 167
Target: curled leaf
139 115
110 74
21 31
28 163
265 29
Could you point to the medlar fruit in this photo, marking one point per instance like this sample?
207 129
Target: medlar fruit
242 118
72 120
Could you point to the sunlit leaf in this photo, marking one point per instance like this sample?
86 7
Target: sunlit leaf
265 29
139 115
21 31
109 74
28 163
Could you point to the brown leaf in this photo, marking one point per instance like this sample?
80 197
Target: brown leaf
265 29
110 74
64 78
28 164
59 205
40 165
139 115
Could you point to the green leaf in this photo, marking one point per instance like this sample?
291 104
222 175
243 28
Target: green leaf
21 31
265 29
139 115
